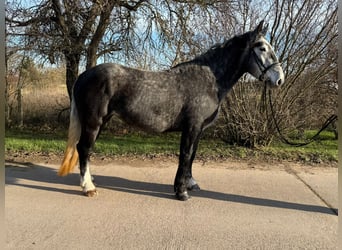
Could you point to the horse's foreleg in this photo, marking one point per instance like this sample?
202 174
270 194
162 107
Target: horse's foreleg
87 140
191 183
184 180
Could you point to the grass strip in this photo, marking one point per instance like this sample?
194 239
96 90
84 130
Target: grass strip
135 144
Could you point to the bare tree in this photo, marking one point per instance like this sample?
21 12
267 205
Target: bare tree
23 73
70 29
73 30
304 34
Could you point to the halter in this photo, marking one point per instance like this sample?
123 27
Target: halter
262 67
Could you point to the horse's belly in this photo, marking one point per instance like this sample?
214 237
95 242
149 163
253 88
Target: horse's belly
153 119
149 105
149 122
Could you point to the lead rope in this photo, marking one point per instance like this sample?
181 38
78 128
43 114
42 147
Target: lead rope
331 119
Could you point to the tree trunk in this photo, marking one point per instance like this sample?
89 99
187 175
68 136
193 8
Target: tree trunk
91 56
72 62
20 106
7 103
98 35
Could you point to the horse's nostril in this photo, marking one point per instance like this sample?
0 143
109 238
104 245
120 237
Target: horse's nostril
279 82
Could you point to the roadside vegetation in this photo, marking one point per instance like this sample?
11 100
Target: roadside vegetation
324 150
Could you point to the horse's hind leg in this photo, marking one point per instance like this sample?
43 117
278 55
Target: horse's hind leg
87 140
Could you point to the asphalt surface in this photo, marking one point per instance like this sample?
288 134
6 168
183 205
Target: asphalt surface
240 206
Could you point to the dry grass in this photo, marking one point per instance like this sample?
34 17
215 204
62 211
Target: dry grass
44 104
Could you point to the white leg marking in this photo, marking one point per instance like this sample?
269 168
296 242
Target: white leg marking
86 181
192 182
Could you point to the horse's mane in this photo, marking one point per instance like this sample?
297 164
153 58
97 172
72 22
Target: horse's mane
213 51
217 51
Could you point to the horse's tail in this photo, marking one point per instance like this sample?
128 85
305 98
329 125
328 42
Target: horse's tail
71 154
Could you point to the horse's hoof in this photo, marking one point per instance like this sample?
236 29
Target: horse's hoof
91 193
194 188
183 196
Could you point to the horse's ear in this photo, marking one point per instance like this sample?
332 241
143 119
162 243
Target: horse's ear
260 30
264 30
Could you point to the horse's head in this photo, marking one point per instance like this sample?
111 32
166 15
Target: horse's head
262 62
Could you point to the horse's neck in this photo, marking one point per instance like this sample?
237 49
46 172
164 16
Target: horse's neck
227 66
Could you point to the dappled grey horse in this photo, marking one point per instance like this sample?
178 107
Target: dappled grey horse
185 98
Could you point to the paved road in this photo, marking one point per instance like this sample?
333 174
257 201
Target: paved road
240 206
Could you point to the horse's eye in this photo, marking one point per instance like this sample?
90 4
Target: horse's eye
262 49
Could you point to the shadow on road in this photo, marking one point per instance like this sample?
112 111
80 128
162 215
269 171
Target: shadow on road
16 171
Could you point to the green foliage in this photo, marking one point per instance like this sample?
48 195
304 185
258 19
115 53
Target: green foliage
141 144
137 144
323 149
30 141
